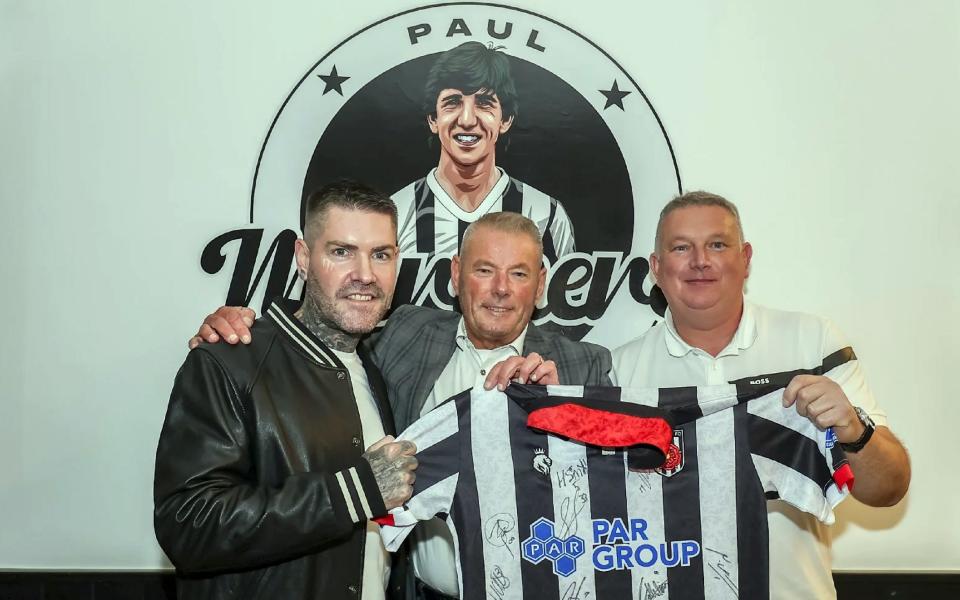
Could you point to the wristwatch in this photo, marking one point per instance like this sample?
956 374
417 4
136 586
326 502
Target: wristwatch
868 428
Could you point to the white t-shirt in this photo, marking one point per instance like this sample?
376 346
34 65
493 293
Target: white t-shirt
432 552
376 560
766 341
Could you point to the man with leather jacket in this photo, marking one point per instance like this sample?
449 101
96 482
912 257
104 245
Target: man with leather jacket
262 486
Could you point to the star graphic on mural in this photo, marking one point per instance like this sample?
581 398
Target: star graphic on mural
614 96
333 81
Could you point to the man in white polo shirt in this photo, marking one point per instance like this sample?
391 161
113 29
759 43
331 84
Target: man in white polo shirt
712 335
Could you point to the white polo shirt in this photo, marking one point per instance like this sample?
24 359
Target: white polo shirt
766 341
432 551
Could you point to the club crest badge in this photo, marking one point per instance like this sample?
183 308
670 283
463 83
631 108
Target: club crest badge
674 462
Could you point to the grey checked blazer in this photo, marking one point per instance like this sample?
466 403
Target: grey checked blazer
417 343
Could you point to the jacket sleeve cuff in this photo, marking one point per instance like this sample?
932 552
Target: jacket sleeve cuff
360 492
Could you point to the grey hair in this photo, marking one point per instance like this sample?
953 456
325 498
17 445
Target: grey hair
508 222
698 198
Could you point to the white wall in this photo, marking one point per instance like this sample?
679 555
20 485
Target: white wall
129 132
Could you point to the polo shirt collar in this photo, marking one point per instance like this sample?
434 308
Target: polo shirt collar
743 338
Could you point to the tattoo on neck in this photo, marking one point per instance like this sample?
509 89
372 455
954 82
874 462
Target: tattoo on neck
312 317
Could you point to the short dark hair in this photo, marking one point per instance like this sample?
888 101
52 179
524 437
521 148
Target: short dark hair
471 67
697 198
347 194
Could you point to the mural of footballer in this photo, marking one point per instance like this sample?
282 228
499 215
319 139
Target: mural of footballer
470 102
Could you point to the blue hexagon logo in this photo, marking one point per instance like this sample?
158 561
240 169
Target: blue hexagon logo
542 543
542 529
573 546
565 565
533 550
554 548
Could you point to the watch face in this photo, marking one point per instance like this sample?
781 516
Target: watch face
864 417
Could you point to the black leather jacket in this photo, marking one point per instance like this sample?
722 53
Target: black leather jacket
256 489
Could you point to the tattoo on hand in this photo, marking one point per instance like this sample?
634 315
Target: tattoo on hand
393 465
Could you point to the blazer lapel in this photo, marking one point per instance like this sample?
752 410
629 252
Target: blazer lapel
534 341
379 389
439 344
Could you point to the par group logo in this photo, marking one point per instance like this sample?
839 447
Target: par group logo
544 544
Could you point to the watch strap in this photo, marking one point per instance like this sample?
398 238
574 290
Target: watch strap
868 429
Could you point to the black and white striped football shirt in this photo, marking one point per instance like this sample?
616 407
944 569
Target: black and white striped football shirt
431 222
539 516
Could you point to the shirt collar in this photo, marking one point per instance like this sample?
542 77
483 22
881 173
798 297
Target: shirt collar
743 337
464 343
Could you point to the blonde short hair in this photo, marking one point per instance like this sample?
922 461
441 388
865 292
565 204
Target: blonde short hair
697 198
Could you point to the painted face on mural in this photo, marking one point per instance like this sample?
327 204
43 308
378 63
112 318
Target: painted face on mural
701 264
498 277
468 125
575 107
351 268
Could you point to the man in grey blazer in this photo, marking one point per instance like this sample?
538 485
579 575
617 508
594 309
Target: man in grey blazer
427 355
498 278
418 342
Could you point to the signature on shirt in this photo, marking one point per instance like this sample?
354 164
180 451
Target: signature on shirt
650 590
720 565
499 583
571 474
575 591
570 509
499 531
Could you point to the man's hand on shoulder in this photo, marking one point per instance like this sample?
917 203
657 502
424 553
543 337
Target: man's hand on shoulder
823 401
230 323
522 369
393 464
